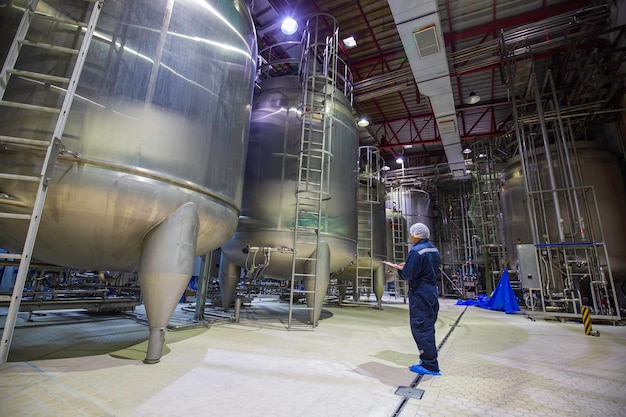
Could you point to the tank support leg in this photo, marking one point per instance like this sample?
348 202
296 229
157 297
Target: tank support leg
379 285
166 265
229 279
319 284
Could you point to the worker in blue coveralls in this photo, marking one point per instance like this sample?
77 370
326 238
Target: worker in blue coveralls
420 270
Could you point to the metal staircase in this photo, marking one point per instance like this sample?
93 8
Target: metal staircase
52 146
318 72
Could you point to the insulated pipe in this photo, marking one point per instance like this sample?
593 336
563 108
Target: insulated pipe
228 279
318 284
165 267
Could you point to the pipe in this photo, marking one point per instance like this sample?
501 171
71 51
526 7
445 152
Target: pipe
581 221
166 264
544 133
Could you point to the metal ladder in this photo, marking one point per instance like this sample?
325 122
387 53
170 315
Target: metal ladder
52 147
400 246
367 197
314 160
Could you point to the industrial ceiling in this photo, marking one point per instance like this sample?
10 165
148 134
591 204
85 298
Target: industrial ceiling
429 125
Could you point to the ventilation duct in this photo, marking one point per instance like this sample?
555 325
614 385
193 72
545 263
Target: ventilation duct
419 27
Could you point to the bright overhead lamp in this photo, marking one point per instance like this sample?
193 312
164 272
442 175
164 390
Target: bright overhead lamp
399 160
349 42
467 151
363 122
386 168
473 98
289 26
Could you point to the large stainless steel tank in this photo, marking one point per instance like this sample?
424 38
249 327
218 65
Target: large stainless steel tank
269 200
149 137
599 169
160 120
414 204
372 239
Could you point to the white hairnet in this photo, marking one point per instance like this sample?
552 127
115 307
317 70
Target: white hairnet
420 230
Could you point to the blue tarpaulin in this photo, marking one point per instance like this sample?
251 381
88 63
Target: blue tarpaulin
502 299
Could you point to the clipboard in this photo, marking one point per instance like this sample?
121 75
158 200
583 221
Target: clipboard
396 266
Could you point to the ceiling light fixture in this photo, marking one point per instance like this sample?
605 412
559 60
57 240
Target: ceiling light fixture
349 42
467 151
289 26
473 98
399 160
363 122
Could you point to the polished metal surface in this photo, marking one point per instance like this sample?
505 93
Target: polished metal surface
160 119
600 169
269 200
377 234
415 205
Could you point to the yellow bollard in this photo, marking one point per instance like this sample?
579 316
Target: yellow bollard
587 323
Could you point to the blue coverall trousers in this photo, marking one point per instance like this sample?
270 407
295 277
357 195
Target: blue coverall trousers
423 309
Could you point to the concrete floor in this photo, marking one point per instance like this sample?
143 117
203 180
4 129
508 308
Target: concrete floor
352 364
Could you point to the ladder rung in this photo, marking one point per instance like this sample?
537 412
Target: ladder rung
59 20
300 258
295 290
39 76
302 275
23 141
17 177
29 106
15 216
50 47
10 256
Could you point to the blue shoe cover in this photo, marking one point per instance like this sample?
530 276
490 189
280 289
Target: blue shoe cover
419 369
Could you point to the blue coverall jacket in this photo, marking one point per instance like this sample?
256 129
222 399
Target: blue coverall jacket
420 271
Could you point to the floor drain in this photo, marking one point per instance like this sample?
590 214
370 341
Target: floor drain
410 392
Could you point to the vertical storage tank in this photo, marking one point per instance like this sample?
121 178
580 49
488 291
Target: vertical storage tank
600 169
269 201
159 122
414 204
366 272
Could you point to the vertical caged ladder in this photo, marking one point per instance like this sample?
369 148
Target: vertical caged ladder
52 147
314 159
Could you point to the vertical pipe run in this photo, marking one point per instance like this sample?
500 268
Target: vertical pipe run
544 133
568 164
